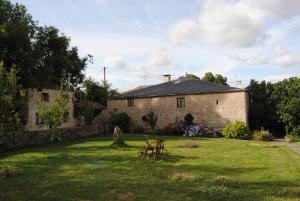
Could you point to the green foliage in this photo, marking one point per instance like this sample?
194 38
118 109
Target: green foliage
262 107
262 135
121 120
87 111
237 130
118 139
150 119
56 113
286 95
7 171
296 131
12 102
189 75
41 54
291 138
188 119
138 129
218 78
93 91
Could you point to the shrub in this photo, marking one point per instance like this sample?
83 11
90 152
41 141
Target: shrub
118 139
291 138
237 130
151 119
262 135
296 131
212 132
7 171
121 120
188 119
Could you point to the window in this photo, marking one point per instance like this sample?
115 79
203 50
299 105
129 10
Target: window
180 102
45 97
217 102
130 102
39 120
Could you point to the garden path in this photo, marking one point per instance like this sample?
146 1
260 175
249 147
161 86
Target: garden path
292 146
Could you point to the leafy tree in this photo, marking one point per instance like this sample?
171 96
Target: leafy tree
286 95
93 91
262 107
151 119
40 54
12 101
218 78
56 113
189 75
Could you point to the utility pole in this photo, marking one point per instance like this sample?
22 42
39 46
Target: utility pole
104 73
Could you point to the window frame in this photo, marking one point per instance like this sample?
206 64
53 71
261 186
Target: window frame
39 120
130 102
180 102
45 97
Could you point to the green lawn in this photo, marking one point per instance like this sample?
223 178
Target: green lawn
218 169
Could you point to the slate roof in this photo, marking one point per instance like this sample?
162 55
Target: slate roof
181 86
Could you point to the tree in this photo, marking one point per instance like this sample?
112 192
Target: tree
40 54
262 107
151 119
93 91
286 95
56 113
189 75
12 101
218 78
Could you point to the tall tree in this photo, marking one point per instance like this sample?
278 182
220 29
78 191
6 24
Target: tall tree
40 54
12 101
286 95
262 107
218 78
94 91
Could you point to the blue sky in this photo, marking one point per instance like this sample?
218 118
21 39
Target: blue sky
140 40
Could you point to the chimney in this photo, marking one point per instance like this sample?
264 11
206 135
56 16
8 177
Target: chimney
167 78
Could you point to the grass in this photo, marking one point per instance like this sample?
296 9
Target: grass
216 170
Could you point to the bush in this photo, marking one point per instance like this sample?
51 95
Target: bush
150 119
7 171
212 132
121 120
296 131
262 135
237 130
118 139
291 138
188 119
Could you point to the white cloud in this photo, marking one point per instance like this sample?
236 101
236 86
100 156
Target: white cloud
159 56
114 62
289 59
255 59
221 23
184 29
276 78
276 8
239 23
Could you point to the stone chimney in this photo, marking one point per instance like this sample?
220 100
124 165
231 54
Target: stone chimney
167 78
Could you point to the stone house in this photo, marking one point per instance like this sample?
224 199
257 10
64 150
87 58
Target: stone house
212 104
35 95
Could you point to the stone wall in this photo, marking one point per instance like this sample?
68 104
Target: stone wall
15 140
34 97
214 109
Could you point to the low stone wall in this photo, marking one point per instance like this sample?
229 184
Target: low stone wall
28 139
